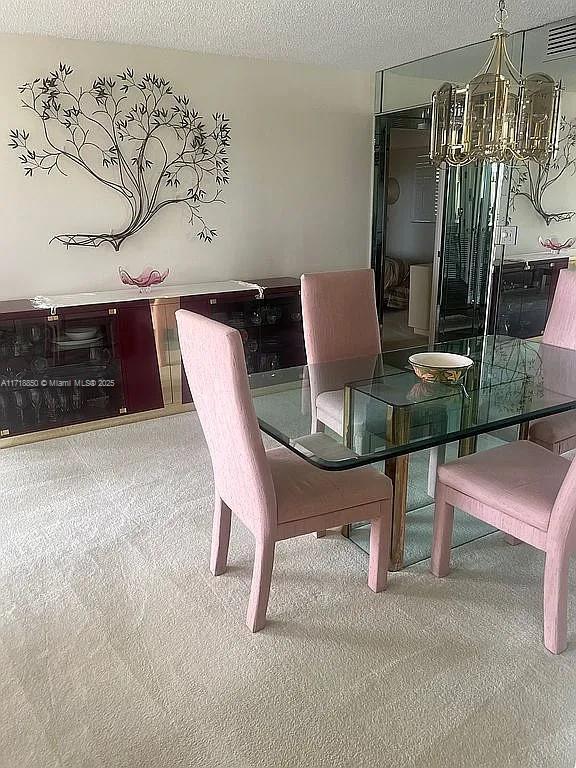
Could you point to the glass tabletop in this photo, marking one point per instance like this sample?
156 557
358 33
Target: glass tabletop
377 408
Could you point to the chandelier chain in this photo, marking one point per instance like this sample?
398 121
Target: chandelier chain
501 14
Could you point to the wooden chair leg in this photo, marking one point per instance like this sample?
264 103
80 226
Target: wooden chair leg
512 540
220 537
380 540
260 589
320 534
555 601
442 536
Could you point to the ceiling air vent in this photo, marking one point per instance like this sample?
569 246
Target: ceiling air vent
561 40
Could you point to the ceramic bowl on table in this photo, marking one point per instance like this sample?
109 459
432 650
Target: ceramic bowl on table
440 367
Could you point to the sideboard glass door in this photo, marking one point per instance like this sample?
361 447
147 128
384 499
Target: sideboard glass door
59 370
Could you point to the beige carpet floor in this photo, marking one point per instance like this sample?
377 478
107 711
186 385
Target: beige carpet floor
119 649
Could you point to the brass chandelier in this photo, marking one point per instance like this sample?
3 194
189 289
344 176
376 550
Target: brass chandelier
499 116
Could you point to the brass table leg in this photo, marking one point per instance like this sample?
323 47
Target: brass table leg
397 471
468 445
398 431
348 420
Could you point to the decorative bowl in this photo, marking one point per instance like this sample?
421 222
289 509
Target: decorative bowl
441 367
553 244
146 279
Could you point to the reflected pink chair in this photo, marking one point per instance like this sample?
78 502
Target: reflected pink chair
529 494
276 494
558 432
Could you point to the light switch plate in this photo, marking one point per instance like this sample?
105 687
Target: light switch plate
507 236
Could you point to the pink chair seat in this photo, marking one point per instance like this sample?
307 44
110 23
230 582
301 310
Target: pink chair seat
302 489
504 478
330 409
528 493
557 430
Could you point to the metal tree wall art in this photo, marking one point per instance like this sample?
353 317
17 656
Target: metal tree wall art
532 181
134 136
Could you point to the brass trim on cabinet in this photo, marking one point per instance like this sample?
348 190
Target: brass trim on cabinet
174 355
89 426
163 313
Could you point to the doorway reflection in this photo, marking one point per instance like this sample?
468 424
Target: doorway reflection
405 203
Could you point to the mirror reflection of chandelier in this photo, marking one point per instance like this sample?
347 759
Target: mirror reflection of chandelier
499 116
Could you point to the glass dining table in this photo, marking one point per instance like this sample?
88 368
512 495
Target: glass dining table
380 411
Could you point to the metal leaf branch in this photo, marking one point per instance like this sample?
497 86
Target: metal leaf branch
133 135
532 181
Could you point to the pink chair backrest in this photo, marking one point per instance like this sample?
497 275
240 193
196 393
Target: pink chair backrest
340 316
562 526
561 325
558 370
560 331
213 358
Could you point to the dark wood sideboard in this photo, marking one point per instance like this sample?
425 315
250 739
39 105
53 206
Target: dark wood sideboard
69 368
523 295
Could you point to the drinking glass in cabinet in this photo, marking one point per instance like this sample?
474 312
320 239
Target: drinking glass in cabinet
273 314
36 400
4 408
256 317
20 400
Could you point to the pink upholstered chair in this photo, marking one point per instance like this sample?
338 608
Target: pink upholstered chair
340 321
276 494
528 493
558 432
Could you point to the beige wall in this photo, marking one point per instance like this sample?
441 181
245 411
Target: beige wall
411 85
300 160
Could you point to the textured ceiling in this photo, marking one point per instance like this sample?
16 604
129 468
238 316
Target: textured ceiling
362 34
